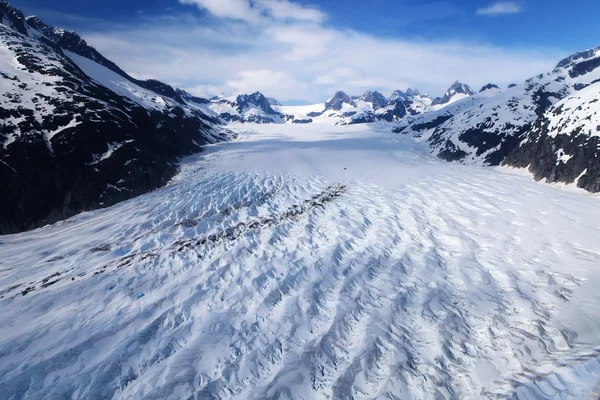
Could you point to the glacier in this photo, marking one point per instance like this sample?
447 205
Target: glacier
313 261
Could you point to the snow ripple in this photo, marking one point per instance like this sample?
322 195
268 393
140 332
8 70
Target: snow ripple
239 285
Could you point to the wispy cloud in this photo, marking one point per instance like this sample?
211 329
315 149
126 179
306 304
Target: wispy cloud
299 58
501 8
258 10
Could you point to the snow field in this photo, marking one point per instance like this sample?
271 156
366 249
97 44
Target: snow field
287 265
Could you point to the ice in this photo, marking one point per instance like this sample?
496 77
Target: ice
311 261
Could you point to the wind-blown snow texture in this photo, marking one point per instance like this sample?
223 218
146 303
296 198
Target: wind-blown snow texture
318 277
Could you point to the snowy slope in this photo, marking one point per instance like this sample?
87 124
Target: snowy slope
361 267
118 84
76 132
245 108
456 92
512 125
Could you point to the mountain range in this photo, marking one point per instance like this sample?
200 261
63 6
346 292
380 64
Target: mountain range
79 133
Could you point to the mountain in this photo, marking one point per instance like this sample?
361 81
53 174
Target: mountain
342 109
77 132
375 98
489 86
253 107
273 101
337 102
549 124
564 144
414 101
408 94
456 92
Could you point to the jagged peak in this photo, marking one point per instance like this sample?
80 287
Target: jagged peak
460 87
14 17
375 98
338 99
577 56
339 93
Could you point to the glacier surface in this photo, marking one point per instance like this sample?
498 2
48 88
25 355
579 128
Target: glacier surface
304 262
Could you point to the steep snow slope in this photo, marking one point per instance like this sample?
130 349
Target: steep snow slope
253 107
456 92
118 84
310 274
77 131
564 144
484 127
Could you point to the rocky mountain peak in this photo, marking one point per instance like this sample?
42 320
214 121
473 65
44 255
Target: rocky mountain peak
459 87
256 99
338 100
456 88
12 17
579 56
374 97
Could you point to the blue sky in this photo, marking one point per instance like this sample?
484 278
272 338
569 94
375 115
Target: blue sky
301 51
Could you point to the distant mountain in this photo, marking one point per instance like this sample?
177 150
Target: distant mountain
336 103
550 125
456 92
77 131
253 107
489 86
273 101
375 98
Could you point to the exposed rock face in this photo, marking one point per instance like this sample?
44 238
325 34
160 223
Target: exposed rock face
243 108
338 100
68 143
457 88
375 98
488 87
564 143
550 124
273 101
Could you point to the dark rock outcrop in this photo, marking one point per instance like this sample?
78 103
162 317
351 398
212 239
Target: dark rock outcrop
375 98
337 101
488 87
456 88
69 144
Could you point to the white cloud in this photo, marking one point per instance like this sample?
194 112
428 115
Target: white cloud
258 10
304 60
501 8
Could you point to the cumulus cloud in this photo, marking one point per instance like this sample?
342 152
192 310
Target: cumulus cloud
302 59
500 8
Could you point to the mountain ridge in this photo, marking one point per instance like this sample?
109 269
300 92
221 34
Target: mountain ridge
74 142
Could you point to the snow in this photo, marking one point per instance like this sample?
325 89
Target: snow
118 84
456 97
300 110
310 261
579 113
111 148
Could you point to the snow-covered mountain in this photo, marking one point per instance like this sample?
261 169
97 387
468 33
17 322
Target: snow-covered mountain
456 92
549 124
340 109
77 132
253 107
489 86
414 101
